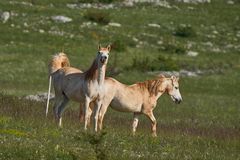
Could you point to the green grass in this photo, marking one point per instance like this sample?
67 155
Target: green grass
204 126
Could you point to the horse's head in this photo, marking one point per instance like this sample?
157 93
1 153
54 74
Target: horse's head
173 90
103 54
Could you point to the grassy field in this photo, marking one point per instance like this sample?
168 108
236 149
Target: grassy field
205 126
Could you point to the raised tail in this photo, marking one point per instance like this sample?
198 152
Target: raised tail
58 61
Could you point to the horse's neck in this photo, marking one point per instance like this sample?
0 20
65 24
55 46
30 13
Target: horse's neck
153 88
164 86
101 75
95 73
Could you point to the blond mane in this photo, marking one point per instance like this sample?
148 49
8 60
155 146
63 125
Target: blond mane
151 85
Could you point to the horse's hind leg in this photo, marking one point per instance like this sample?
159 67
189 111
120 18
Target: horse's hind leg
102 112
61 109
58 102
135 123
81 113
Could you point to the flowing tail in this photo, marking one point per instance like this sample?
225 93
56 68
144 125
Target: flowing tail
58 61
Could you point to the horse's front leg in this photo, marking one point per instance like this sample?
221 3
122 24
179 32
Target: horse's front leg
86 113
150 115
96 113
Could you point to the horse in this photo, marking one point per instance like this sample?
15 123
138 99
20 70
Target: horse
139 98
61 61
57 62
83 87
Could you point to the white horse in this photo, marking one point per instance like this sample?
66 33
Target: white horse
59 61
85 88
139 98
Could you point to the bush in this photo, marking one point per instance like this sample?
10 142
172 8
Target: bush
97 16
118 45
141 64
166 63
173 48
184 31
161 63
97 142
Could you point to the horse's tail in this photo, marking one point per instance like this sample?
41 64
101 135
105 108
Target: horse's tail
49 91
58 61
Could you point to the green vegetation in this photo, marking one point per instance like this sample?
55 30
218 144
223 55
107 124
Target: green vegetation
151 38
159 63
184 31
97 16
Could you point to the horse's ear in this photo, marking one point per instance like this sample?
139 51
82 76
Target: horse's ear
109 48
161 76
99 46
173 77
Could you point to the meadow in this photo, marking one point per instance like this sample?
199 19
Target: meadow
146 40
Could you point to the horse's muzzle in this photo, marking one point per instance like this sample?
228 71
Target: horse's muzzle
178 101
103 59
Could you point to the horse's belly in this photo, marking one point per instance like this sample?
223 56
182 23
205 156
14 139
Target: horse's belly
75 96
123 106
74 93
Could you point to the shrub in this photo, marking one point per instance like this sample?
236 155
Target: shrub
160 63
174 48
97 142
184 31
166 63
118 45
141 64
97 16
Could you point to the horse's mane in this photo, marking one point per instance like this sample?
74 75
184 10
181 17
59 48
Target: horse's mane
91 73
151 85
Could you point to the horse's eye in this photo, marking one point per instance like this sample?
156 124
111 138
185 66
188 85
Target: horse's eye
176 87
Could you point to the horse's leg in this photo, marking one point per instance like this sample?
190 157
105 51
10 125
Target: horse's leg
135 123
154 122
86 111
91 106
101 115
61 109
81 113
57 103
96 113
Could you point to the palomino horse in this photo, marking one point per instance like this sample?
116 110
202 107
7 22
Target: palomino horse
87 87
139 98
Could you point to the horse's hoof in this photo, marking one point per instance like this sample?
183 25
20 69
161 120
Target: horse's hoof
154 135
